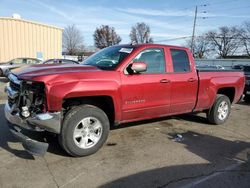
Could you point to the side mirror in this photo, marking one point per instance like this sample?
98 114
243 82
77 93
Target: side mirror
138 67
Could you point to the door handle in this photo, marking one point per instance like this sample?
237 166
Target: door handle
165 81
191 80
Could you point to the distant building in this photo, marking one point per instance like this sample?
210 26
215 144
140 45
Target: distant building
23 38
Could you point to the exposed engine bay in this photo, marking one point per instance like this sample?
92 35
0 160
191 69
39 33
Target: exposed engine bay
25 97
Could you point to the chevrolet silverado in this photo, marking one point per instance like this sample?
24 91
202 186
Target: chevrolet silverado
119 84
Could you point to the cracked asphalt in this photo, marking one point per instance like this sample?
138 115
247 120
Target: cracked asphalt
143 154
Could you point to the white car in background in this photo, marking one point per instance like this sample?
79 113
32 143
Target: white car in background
16 63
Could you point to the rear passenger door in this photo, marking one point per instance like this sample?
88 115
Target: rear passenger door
184 82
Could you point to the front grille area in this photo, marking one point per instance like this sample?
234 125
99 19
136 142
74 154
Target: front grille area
12 101
14 86
30 95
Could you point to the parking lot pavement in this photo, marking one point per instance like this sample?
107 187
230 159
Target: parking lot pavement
144 154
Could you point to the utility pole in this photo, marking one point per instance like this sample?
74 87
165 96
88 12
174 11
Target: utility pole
192 43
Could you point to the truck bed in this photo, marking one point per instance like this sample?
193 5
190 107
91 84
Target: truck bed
210 82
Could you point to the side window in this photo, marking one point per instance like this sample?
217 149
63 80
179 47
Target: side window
17 61
68 62
25 61
180 60
51 61
31 61
154 58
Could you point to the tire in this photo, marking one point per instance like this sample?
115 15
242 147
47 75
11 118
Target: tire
85 129
1 73
220 110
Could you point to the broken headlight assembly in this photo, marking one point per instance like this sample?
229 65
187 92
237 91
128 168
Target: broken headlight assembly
32 98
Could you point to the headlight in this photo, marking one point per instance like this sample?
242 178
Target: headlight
33 98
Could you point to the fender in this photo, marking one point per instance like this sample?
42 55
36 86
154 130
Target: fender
212 83
60 91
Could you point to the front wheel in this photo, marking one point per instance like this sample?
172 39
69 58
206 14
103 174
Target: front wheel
85 129
220 110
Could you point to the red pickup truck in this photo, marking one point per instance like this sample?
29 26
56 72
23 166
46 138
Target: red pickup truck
118 84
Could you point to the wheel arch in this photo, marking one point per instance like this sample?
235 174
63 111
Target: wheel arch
106 103
227 91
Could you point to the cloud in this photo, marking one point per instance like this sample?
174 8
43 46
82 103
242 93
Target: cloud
226 16
175 13
87 18
157 12
53 9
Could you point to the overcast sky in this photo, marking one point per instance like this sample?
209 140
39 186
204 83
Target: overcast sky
168 19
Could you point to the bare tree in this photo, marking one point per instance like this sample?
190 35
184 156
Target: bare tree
140 33
72 40
225 41
246 37
201 46
106 36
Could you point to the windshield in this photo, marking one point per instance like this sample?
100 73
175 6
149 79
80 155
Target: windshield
108 58
17 61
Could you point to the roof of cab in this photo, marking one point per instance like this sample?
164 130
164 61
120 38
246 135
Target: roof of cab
149 45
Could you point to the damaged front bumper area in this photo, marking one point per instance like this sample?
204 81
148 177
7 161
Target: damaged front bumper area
26 110
45 121
34 147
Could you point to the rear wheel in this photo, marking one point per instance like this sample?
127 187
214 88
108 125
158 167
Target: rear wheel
85 129
220 110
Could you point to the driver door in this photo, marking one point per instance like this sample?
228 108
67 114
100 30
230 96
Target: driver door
146 95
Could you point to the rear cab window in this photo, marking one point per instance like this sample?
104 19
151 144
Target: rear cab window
180 61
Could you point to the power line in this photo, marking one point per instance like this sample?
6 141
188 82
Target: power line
221 2
234 8
177 38
194 26
195 18
192 42
171 20
201 36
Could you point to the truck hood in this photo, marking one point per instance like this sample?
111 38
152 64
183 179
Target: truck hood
30 71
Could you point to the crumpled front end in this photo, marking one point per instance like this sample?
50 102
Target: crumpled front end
26 109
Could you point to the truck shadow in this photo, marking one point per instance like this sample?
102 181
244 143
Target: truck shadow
188 176
220 154
7 139
191 117
244 103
